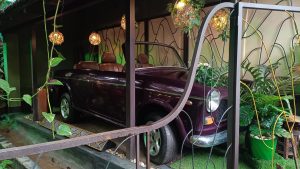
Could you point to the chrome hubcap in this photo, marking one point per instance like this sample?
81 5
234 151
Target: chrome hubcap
64 108
155 141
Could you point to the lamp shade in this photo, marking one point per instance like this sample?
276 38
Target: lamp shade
56 37
123 22
95 38
220 20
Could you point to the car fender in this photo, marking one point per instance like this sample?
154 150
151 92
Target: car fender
58 91
166 108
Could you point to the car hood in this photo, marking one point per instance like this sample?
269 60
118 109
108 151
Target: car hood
172 79
164 72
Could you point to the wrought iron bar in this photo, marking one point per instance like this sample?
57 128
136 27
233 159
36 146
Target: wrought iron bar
137 140
148 151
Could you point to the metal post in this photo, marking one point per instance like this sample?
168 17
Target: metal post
36 115
137 151
146 33
186 49
148 151
130 71
234 87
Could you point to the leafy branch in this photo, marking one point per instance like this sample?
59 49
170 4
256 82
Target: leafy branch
212 76
52 62
186 13
5 164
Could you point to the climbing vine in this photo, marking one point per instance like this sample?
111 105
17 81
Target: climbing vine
54 59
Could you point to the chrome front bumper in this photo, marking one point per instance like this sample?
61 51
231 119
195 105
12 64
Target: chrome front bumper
209 140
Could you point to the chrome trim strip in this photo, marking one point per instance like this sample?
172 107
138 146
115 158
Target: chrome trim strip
209 140
147 89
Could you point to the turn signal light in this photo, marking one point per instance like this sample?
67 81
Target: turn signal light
208 120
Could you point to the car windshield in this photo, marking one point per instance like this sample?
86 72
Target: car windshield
151 54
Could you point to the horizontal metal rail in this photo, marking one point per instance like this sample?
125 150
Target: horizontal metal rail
74 142
268 7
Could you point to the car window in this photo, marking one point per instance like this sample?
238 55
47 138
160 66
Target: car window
156 54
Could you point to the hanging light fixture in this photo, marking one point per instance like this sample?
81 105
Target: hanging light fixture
220 20
95 38
123 22
180 4
56 37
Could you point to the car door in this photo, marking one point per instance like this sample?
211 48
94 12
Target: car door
81 88
108 98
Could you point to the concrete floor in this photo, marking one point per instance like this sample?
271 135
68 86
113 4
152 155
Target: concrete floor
27 132
97 125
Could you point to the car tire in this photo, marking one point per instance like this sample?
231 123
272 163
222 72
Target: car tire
167 146
66 109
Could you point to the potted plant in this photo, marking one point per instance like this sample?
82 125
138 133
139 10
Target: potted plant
263 111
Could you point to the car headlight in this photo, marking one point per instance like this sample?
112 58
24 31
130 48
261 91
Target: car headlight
213 100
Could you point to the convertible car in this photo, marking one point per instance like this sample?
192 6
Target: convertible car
99 90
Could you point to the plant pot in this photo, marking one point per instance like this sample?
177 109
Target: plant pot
259 149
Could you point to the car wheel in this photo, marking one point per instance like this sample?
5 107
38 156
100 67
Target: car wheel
163 144
66 109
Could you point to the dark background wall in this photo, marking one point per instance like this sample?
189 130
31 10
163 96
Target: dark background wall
26 67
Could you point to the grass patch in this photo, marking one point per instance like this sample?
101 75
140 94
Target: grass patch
267 164
217 160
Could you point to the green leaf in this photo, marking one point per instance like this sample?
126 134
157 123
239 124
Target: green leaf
64 130
48 116
12 89
61 56
5 163
246 115
55 61
27 98
4 85
55 82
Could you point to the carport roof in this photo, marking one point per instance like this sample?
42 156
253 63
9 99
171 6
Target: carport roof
29 11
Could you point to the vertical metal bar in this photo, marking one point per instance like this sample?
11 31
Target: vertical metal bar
36 115
148 151
130 71
234 87
137 151
146 33
186 49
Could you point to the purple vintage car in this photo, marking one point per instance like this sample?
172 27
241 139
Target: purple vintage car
99 89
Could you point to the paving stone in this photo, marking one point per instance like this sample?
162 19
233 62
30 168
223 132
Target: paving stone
23 159
2 138
7 145
24 162
3 142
